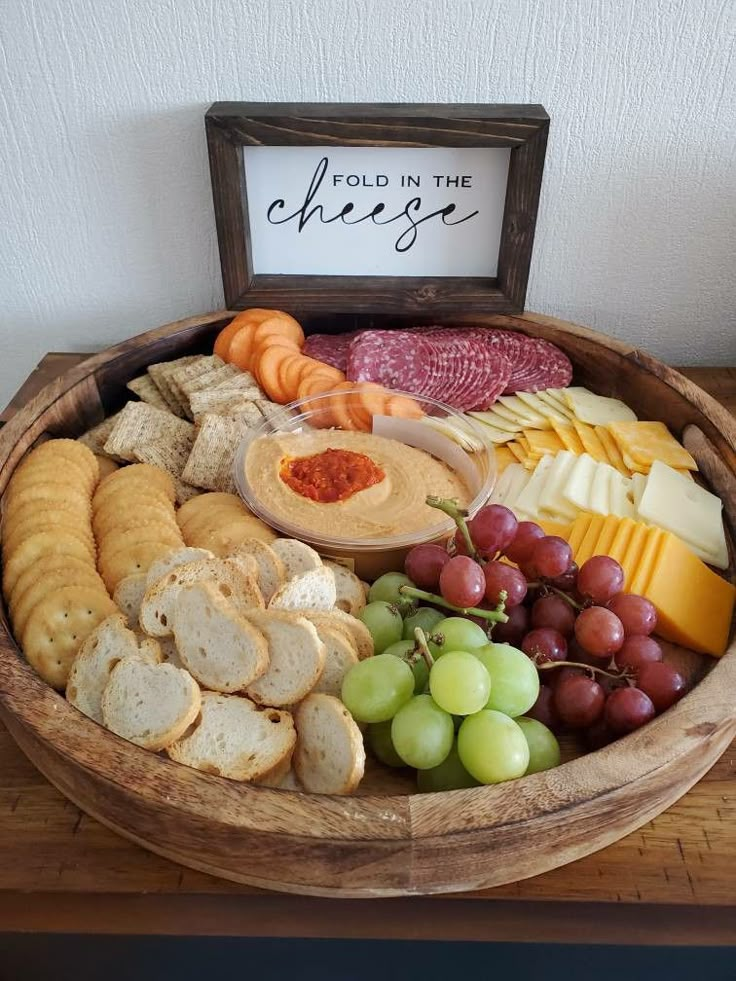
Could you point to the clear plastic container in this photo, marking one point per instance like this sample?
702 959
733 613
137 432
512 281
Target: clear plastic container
440 432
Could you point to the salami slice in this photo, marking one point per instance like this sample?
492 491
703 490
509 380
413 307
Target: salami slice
393 358
332 349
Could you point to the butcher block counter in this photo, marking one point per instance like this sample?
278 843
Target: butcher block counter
671 882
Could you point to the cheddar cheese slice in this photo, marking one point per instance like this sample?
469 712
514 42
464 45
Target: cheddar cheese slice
504 458
624 532
542 442
649 556
577 533
589 542
591 443
613 452
634 551
645 442
608 533
568 437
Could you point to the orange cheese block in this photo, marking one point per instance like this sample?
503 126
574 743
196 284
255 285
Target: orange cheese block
559 528
610 527
643 575
694 604
632 555
621 539
578 531
590 540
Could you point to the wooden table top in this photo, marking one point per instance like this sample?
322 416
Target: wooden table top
671 882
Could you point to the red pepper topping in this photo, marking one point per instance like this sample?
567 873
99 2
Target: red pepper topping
333 475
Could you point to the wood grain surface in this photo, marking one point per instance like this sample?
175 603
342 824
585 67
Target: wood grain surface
684 858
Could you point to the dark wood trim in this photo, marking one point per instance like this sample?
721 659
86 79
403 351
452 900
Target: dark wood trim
230 126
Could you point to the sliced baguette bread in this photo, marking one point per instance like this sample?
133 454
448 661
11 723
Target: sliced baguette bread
233 582
182 556
222 649
151 705
296 556
233 738
296 657
329 757
349 625
128 597
350 594
108 643
340 655
314 590
271 570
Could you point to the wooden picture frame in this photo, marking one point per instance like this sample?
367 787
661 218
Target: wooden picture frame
231 126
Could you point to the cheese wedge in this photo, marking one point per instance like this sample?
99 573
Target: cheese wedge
645 442
695 606
687 510
596 410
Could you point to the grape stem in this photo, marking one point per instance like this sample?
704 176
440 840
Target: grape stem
496 616
540 584
421 639
546 665
458 515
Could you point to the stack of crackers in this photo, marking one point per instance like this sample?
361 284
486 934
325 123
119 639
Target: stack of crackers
192 415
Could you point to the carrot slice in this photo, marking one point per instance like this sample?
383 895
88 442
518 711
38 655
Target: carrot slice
222 342
269 367
374 398
241 346
354 407
293 327
284 328
290 374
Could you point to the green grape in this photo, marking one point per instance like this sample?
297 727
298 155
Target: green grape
402 649
422 732
425 617
459 634
449 775
386 588
384 623
374 690
379 740
492 747
544 750
514 679
459 683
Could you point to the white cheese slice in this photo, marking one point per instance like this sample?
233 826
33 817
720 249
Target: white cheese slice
509 485
556 404
513 409
542 408
600 489
619 503
577 489
526 505
596 410
552 502
499 422
638 483
489 430
683 507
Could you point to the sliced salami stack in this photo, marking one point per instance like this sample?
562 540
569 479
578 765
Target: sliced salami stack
467 367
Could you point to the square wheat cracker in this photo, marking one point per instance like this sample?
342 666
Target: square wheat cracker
140 424
210 463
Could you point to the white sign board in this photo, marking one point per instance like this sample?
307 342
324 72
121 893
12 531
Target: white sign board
375 211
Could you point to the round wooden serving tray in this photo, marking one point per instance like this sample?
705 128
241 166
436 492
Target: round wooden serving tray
387 841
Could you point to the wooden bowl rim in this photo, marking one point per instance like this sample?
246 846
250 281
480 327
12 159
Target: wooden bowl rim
702 715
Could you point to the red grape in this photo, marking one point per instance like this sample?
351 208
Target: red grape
545 645
513 631
628 709
543 710
566 582
551 556
599 734
493 529
662 683
529 571
501 575
636 613
462 582
579 701
600 579
556 675
599 631
458 544
527 535
555 612
423 565
638 651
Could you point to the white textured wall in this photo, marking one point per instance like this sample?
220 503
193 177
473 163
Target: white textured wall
106 224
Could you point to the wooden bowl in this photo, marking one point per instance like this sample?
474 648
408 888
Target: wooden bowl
386 841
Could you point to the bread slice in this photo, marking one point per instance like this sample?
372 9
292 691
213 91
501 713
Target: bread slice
223 650
181 556
350 625
350 595
151 705
329 757
233 738
340 655
108 643
314 590
290 782
157 609
296 657
296 556
271 570
128 597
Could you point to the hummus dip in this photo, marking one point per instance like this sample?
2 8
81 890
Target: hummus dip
393 504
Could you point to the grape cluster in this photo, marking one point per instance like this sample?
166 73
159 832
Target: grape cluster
540 646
